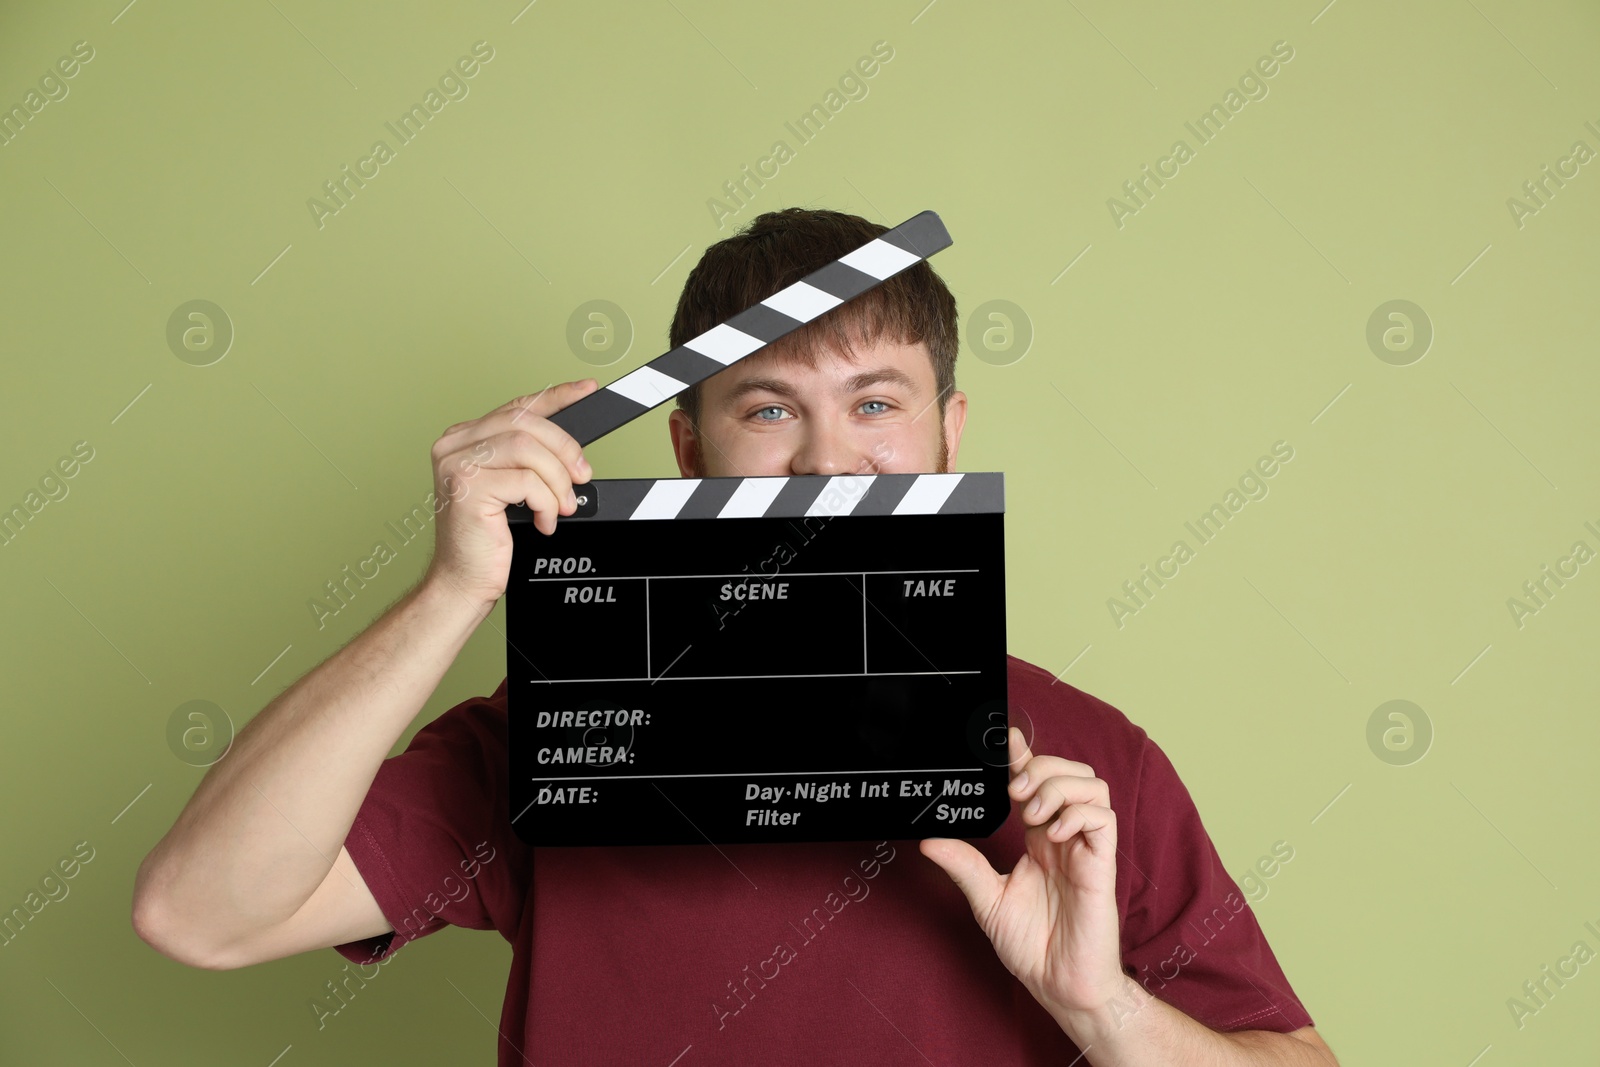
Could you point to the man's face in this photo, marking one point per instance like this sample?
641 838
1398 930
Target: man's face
769 416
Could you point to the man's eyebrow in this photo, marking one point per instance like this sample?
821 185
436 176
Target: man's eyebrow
855 383
880 376
759 385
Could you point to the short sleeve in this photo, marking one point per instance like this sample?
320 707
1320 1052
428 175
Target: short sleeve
433 837
1189 935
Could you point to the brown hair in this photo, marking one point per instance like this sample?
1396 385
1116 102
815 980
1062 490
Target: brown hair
781 247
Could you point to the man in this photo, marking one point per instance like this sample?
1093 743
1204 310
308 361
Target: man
1116 937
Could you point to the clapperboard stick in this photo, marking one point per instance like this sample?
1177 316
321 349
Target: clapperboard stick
754 328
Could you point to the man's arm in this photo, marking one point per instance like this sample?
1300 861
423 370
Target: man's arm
1136 1028
254 868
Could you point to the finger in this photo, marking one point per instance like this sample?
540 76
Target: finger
1062 791
528 400
550 399
516 412
968 869
540 445
1040 769
482 434
517 449
498 488
1020 753
1097 824
541 500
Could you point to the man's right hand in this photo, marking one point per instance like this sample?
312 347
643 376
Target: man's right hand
512 455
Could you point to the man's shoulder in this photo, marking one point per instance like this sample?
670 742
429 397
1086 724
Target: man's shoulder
1059 719
479 722
492 706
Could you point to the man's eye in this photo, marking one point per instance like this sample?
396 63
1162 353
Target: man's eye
772 407
885 404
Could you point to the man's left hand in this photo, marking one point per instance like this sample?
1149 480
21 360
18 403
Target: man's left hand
1053 920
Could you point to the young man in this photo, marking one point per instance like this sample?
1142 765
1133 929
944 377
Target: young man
1116 935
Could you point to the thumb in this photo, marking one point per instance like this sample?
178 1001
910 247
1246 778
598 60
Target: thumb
550 399
980 883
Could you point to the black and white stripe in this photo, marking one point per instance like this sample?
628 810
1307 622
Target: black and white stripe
754 328
780 497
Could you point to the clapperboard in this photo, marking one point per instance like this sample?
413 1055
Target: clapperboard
764 659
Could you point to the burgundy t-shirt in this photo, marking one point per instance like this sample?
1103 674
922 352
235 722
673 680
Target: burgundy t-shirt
807 953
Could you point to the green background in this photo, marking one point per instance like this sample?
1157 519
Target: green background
1229 313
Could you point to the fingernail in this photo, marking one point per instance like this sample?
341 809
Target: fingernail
1055 827
572 499
583 464
1020 781
1038 802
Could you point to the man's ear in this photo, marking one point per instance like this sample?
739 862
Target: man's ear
955 418
685 443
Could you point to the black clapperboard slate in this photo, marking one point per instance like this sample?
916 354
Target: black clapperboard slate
766 659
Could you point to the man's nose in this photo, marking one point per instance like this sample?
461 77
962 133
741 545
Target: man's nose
825 450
